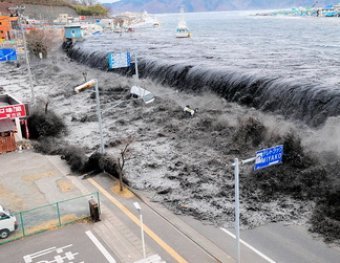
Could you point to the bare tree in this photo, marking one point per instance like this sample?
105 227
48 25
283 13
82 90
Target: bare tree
42 41
122 162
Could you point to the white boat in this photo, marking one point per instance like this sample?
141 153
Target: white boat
182 30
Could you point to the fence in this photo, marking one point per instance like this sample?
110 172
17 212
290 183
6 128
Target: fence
51 216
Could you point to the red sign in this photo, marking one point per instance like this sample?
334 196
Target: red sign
13 111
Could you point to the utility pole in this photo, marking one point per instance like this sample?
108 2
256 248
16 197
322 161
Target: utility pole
88 85
136 65
20 10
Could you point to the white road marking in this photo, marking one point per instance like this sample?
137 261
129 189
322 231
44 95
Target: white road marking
248 246
101 248
29 258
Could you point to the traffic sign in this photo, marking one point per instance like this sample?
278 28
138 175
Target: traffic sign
119 60
268 157
8 54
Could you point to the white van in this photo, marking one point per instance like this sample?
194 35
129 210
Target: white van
8 223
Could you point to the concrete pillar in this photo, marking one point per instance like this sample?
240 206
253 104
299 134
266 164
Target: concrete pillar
18 136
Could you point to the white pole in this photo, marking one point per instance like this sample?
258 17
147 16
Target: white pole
99 119
27 58
142 232
19 132
237 210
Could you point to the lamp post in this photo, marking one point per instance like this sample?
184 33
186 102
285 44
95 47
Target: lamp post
139 209
88 85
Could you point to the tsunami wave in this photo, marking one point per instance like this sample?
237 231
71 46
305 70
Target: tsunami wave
310 103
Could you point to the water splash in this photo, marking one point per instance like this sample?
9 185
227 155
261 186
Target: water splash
311 103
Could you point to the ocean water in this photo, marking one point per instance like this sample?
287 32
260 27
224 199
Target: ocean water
298 48
253 60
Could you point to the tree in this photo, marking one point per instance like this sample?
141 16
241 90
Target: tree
122 162
41 41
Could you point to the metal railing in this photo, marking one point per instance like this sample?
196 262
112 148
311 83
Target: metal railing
51 216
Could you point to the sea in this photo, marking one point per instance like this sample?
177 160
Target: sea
242 56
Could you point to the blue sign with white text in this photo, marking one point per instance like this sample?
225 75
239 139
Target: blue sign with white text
8 54
268 157
119 60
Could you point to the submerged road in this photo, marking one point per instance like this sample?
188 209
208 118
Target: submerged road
182 239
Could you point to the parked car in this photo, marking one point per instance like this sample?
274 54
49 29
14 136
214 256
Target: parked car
8 223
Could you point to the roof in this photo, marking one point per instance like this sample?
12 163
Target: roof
72 26
7 125
6 100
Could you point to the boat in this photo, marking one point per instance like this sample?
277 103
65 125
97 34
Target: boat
156 23
182 30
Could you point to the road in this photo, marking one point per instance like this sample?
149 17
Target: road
73 243
174 238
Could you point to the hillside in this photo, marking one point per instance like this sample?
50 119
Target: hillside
170 6
38 2
50 9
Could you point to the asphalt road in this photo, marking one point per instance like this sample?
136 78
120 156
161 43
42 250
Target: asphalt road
72 243
277 242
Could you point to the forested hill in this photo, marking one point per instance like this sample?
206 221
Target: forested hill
169 6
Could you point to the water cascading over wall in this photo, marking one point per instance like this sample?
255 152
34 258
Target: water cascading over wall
310 103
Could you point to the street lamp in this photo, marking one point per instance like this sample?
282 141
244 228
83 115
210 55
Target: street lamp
139 209
89 85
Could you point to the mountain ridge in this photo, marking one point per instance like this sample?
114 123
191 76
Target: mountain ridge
170 6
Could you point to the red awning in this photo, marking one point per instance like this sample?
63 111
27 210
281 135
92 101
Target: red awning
7 125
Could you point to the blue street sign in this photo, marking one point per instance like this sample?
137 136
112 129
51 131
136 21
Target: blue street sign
8 54
119 60
268 157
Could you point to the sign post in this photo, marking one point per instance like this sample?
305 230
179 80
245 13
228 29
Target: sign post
136 65
263 159
237 208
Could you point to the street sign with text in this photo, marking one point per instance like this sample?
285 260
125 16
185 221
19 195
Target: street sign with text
268 157
12 111
119 60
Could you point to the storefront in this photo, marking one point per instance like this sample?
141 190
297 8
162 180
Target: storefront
7 136
13 115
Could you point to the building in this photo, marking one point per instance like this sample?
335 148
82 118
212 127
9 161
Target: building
7 138
7 25
73 32
13 115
